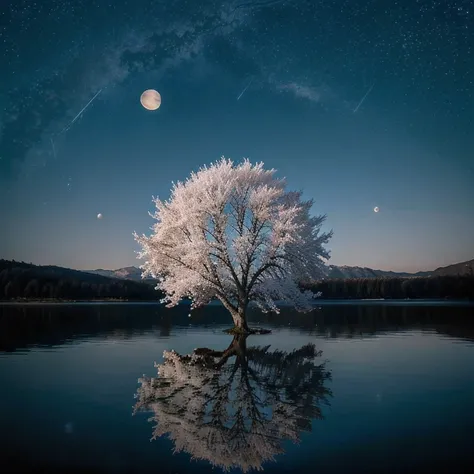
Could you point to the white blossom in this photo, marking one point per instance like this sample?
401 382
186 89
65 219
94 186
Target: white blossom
233 233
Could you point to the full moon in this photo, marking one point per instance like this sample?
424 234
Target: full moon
151 99
99 216
376 209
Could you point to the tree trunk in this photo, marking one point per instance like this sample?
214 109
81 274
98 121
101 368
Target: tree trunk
238 313
240 320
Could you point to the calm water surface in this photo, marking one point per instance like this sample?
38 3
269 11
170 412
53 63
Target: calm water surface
345 388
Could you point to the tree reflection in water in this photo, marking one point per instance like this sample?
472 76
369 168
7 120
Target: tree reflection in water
236 407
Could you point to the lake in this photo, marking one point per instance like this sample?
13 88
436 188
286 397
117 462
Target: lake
359 388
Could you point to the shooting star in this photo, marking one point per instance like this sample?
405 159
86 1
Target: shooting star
65 129
54 148
251 5
245 88
363 98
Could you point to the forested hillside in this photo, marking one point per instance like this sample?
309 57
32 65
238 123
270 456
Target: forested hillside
25 280
451 287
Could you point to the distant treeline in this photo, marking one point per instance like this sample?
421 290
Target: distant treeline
450 287
24 280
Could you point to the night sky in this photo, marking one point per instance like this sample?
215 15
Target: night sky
359 103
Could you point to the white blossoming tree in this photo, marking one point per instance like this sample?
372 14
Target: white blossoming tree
233 233
237 407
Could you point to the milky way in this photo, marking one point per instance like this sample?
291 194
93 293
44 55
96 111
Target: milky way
56 54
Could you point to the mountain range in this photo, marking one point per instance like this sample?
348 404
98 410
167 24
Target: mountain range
333 272
125 273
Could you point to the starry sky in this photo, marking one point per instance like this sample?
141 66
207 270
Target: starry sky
359 103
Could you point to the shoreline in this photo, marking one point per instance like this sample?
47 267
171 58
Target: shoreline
78 302
317 303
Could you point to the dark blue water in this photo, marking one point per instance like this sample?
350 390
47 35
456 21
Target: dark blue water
392 390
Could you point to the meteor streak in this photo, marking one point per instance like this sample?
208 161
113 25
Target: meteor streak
82 110
54 148
245 88
363 98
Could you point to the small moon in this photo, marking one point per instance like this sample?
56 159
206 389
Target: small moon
99 216
376 209
151 99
